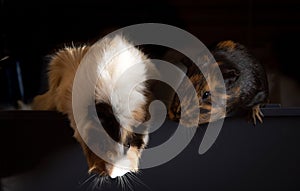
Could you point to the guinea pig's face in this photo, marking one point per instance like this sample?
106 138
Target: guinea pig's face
209 102
184 110
113 150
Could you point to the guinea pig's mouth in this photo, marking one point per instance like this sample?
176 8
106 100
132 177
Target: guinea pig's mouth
110 170
114 149
119 159
118 169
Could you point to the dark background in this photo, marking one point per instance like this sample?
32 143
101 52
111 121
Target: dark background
31 30
38 153
244 157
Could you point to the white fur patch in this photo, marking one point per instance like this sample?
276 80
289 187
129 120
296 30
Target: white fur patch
122 70
146 138
120 168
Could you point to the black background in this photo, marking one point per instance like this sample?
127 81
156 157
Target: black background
31 30
39 153
243 158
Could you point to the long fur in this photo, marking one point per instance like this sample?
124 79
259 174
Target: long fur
122 70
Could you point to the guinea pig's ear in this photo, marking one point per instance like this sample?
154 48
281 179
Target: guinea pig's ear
230 74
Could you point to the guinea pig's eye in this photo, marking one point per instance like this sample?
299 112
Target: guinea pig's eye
127 145
206 95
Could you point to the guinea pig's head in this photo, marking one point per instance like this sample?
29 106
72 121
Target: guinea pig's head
112 149
211 94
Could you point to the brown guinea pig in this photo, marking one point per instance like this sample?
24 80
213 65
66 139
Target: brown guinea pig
245 80
121 71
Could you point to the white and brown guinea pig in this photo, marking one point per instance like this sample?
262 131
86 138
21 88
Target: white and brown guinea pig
111 101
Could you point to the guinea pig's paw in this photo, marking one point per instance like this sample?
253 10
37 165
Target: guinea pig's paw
256 113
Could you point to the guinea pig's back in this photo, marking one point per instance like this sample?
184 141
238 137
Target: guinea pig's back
251 81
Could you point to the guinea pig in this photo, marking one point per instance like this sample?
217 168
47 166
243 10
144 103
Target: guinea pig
121 69
245 87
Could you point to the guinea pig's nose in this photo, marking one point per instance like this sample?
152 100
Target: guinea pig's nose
119 169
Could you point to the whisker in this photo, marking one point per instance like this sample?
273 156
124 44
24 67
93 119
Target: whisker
125 182
91 184
100 183
128 183
123 185
118 181
137 180
88 179
96 182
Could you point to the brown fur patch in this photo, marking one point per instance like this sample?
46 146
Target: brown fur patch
230 45
190 106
